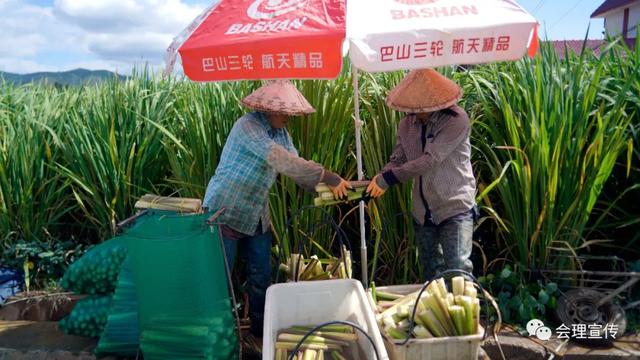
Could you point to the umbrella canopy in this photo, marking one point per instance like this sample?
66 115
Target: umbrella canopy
302 39
387 35
263 39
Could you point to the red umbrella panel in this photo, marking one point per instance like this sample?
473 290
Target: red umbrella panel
263 39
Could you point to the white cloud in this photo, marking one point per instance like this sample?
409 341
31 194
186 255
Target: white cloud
101 34
23 66
100 16
143 46
125 29
162 16
20 44
26 30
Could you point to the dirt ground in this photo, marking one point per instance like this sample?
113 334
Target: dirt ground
38 306
517 347
41 340
22 340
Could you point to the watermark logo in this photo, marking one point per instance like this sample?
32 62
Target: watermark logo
269 9
538 329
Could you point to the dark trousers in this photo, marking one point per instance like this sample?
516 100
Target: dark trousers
447 245
255 252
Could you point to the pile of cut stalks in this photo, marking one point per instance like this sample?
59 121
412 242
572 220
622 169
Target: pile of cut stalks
440 313
298 268
331 342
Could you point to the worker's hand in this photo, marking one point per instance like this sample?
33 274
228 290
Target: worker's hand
340 191
374 190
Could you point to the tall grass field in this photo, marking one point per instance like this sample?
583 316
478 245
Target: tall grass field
548 133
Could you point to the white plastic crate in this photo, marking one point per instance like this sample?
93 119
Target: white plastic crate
308 303
444 348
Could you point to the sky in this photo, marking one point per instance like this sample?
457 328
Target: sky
117 35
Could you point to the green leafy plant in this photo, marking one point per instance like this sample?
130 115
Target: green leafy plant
547 135
111 154
33 196
552 130
519 300
43 263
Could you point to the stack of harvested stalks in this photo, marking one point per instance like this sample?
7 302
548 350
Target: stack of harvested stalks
326 198
318 269
333 342
440 313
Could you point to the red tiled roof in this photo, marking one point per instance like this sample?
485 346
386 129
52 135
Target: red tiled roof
609 5
576 46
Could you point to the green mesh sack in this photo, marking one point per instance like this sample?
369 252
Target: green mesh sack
88 317
183 298
96 272
174 337
121 334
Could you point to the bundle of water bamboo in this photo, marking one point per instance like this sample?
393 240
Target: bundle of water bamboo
332 342
186 205
440 313
325 196
318 269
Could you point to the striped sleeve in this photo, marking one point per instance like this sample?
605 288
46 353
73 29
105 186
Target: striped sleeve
444 143
284 159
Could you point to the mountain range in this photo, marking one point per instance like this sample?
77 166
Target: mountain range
68 78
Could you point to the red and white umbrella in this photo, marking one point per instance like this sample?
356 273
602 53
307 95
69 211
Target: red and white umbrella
302 39
263 39
389 35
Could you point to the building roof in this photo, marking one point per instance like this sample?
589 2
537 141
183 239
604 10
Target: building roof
576 46
609 5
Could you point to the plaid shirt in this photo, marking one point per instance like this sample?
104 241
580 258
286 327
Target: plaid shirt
244 175
437 156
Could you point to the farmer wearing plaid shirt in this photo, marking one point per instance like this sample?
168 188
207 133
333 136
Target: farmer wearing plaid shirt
257 150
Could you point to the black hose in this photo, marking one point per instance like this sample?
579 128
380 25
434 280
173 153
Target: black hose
297 348
340 235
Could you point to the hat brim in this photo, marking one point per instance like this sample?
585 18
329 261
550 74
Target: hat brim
279 96
442 106
268 109
423 91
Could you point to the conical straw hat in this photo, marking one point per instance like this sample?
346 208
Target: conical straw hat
278 96
424 91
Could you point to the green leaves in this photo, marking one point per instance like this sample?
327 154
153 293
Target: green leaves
546 134
543 297
33 197
111 154
521 299
505 273
27 276
551 131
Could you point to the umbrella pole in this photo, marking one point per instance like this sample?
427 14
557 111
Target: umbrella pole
358 124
